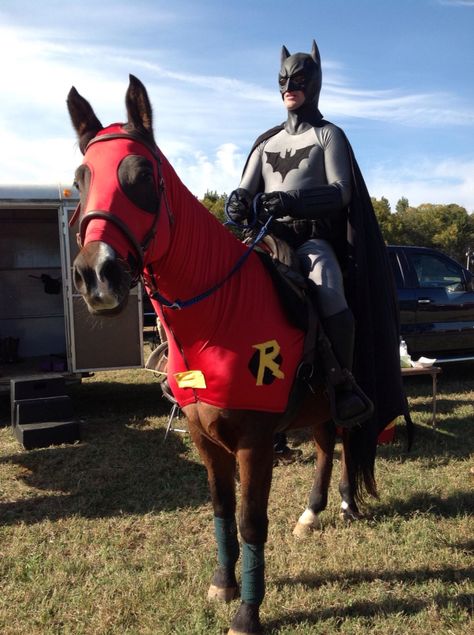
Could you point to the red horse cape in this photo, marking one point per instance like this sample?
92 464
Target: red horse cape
234 349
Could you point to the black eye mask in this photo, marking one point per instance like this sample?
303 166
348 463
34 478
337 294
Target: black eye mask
301 71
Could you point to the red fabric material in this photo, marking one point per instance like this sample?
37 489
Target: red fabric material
105 193
238 338
222 334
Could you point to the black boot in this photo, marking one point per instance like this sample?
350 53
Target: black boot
349 405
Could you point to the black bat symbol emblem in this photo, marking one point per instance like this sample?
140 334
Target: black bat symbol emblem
289 162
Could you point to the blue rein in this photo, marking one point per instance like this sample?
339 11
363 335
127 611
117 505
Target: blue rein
183 304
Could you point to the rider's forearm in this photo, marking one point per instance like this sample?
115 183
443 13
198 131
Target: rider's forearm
324 201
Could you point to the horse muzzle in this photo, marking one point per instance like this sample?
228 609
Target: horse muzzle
101 278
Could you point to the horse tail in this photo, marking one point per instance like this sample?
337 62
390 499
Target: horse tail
362 450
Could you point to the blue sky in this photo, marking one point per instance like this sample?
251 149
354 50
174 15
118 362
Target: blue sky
397 77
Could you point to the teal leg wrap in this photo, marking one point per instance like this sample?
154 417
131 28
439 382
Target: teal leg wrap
253 573
227 542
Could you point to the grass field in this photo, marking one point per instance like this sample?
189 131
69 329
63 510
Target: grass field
113 536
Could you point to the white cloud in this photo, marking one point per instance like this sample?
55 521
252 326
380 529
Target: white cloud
196 116
38 161
444 182
220 172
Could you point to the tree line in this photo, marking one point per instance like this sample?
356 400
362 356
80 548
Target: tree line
449 228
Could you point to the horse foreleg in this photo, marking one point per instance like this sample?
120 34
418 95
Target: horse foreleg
347 484
256 463
325 440
221 466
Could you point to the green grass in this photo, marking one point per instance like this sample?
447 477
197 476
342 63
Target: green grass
113 536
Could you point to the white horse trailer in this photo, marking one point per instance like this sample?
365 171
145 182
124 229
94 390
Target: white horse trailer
45 327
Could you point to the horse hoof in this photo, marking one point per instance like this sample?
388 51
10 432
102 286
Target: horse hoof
246 621
350 516
307 523
302 531
219 594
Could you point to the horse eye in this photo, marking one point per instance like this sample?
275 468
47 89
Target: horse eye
145 176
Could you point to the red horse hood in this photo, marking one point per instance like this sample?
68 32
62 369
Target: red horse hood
103 158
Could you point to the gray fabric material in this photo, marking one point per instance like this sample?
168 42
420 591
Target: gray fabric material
319 263
327 163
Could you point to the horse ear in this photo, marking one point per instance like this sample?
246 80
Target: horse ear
138 106
83 118
284 53
315 53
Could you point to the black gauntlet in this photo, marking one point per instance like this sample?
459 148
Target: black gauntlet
238 207
324 201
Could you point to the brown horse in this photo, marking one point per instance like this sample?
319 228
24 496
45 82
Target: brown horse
138 219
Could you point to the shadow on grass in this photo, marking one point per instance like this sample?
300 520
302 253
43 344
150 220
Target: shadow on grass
424 503
368 609
454 575
102 399
452 437
122 465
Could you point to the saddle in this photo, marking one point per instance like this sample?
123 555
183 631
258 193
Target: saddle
299 300
296 297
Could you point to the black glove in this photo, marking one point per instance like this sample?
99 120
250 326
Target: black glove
238 207
324 201
278 204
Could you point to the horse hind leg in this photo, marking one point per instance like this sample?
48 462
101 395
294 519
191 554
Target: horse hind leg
309 521
347 484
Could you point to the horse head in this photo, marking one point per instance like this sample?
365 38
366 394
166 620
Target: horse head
120 188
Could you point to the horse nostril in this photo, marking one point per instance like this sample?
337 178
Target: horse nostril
111 272
78 279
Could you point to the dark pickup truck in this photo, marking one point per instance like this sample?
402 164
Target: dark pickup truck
436 298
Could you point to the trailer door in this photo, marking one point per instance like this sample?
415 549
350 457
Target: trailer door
93 342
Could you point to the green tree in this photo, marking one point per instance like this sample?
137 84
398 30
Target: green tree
402 205
215 203
446 227
381 208
390 224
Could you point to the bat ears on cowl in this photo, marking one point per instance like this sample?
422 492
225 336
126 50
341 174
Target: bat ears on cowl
314 53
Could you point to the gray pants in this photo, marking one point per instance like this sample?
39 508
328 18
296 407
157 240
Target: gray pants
319 264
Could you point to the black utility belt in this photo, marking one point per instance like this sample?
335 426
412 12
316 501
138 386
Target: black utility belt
296 224
295 231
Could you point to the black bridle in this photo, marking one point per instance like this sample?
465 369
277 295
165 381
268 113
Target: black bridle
136 262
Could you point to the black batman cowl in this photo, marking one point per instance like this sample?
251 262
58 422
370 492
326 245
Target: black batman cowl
302 71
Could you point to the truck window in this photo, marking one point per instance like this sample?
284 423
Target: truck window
433 271
396 269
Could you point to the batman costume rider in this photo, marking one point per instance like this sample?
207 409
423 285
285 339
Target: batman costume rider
306 176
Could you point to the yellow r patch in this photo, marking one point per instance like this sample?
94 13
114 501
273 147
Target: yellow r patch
190 379
268 351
